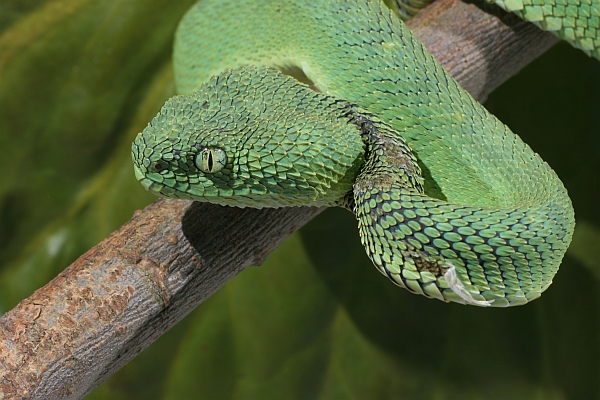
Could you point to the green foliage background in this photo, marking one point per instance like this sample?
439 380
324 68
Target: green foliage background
80 78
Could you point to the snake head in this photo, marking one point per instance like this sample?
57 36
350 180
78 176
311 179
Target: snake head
186 151
250 137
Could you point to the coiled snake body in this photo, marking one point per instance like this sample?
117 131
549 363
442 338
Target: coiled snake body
450 203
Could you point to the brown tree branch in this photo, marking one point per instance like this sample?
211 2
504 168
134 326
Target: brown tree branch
75 332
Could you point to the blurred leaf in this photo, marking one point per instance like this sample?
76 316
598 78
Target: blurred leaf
585 247
81 77
80 80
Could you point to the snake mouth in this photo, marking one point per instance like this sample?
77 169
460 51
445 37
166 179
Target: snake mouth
148 184
139 175
140 171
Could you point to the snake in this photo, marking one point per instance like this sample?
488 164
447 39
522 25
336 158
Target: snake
450 203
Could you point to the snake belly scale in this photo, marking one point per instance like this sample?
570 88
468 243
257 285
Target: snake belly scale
450 203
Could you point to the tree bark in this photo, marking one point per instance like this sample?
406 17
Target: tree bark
115 300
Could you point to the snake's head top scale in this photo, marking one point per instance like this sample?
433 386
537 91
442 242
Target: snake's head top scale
228 144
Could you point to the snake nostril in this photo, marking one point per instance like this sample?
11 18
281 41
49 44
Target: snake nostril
159 166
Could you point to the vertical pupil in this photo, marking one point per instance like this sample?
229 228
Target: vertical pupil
210 161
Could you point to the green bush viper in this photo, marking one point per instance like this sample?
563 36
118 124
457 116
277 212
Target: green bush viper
450 203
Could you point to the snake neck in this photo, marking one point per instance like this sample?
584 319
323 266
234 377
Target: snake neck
389 160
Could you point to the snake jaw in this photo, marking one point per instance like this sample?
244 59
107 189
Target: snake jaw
148 184
139 175
139 170
147 172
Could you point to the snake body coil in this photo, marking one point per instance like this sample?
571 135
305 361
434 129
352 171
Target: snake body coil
450 203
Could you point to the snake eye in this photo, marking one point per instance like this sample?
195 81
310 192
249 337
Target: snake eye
211 160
